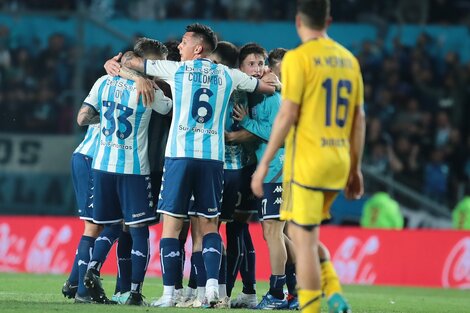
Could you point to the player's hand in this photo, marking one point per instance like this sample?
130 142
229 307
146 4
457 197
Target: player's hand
229 136
145 87
239 112
355 186
112 66
271 79
258 178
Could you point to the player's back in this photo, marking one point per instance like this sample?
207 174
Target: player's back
122 145
332 87
202 90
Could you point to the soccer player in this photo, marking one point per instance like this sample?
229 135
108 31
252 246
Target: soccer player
240 249
195 151
263 112
121 168
323 119
83 184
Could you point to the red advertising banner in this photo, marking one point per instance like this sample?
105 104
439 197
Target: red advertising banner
432 258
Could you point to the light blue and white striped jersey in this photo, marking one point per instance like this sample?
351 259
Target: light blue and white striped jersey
88 145
234 153
123 137
264 109
201 91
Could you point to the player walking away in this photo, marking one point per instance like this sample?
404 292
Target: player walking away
122 186
83 185
195 151
321 112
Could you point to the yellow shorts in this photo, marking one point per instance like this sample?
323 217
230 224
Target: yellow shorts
305 206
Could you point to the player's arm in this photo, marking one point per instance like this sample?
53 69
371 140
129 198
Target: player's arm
162 103
132 61
145 86
285 119
239 136
87 115
260 128
248 83
355 185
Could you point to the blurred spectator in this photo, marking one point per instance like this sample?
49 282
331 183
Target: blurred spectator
436 175
461 214
381 211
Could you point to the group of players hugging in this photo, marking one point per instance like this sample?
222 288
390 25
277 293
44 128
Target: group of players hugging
213 105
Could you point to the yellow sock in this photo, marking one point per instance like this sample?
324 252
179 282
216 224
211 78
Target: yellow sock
309 300
329 279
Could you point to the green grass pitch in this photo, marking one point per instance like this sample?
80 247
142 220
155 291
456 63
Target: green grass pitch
41 293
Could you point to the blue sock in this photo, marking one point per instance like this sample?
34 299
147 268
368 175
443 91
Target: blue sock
212 254
85 249
140 255
192 283
179 274
223 270
276 285
201 276
170 258
123 251
73 277
235 249
103 244
247 270
291 280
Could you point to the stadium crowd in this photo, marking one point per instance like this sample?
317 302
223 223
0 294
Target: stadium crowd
379 12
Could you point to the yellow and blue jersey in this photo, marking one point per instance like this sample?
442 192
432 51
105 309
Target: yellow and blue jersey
324 79
201 91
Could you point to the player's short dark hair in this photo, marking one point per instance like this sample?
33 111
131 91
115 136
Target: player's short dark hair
207 35
275 56
228 53
144 46
314 13
173 51
251 48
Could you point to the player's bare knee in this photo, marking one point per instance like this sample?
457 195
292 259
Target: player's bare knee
92 229
207 225
273 230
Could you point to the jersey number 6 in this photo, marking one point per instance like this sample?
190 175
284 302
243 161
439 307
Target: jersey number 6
202 110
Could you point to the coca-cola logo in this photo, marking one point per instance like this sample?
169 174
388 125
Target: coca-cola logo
351 260
456 272
44 253
11 249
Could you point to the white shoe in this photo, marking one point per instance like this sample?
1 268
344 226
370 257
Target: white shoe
223 303
212 295
246 301
187 301
178 295
164 302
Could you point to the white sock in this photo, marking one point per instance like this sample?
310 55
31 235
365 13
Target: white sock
212 283
201 293
222 290
168 291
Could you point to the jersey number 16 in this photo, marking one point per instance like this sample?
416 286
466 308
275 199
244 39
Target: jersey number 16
342 103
